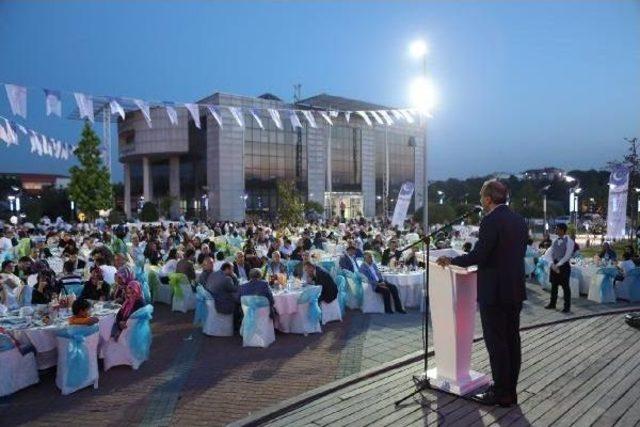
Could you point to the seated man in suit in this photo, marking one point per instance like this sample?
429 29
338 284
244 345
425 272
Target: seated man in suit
240 267
375 279
257 286
391 253
319 276
348 260
223 285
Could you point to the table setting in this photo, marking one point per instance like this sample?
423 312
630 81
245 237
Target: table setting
409 282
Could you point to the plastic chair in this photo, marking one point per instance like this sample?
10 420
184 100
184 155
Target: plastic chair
629 288
601 289
257 327
134 343
183 297
17 371
77 358
213 323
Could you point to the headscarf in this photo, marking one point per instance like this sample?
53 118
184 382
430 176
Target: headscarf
126 274
130 301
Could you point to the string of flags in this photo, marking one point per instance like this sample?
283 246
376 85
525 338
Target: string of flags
41 145
17 96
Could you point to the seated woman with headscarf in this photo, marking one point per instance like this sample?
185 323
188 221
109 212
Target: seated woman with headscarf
123 277
96 288
133 301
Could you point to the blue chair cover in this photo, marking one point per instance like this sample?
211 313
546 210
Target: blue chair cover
140 338
202 295
77 353
311 295
541 271
6 256
291 266
253 303
73 288
6 343
342 292
634 286
330 266
607 275
357 278
25 296
143 278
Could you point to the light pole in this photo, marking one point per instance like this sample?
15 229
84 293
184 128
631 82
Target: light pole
423 99
544 207
440 197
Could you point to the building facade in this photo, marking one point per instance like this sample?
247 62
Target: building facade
226 171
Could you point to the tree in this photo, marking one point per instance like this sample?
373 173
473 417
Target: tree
90 185
149 212
290 204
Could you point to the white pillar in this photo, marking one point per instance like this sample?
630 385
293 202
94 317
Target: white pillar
329 172
174 185
147 180
127 190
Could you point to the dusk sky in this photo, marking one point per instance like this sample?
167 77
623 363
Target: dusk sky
520 84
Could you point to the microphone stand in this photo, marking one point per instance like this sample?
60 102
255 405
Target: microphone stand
421 381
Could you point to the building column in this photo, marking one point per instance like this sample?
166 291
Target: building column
127 190
174 185
147 180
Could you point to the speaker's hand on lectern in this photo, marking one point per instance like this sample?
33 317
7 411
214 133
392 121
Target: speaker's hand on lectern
443 261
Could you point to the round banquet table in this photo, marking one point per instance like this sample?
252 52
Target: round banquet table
409 286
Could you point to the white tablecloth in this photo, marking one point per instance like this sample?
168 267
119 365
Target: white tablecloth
286 302
409 286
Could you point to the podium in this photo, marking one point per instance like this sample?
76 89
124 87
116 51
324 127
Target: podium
452 303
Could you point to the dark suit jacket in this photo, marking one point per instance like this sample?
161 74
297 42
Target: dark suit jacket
329 287
236 271
499 255
224 290
347 264
257 287
387 255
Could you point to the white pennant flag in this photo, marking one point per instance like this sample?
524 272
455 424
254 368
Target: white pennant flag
17 99
58 148
333 114
195 113
53 104
309 116
397 114
22 129
144 107
347 115
172 113
35 143
64 154
215 112
275 116
46 148
256 118
237 114
376 117
295 121
12 136
116 108
386 116
366 118
326 117
85 105
3 135
407 116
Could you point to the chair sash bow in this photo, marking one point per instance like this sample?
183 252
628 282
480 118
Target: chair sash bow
252 304
77 353
140 338
310 296
202 295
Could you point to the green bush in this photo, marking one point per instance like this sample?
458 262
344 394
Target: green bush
116 217
149 212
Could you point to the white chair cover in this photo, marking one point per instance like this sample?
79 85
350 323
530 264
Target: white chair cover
163 294
331 311
601 289
629 288
299 322
63 373
187 302
372 302
16 371
264 333
119 352
217 324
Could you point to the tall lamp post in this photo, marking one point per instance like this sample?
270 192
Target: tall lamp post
545 189
422 95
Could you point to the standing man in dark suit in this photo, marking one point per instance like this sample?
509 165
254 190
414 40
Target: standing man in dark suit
499 254
319 276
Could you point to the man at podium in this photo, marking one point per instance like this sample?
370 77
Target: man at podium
499 254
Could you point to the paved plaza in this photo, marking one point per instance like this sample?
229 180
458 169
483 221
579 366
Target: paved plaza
192 379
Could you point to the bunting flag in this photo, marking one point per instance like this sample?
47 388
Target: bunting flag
194 111
116 108
275 116
65 152
386 117
35 144
366 118
237 114
309 116
347 115
255 116
85 106
293 118
46 147
52 102
144 108
215 112
397 115
333 114
326 117
3 135
172 113
12 136
407 116
22 128
17 99
58 148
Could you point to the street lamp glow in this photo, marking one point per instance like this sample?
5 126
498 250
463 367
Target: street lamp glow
423 95
569 178
418 48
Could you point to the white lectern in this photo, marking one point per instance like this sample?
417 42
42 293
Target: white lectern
452 301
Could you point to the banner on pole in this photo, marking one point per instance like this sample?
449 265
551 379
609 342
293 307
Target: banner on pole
402 204
617 209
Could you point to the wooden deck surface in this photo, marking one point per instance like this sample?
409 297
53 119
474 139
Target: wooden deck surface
584 372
